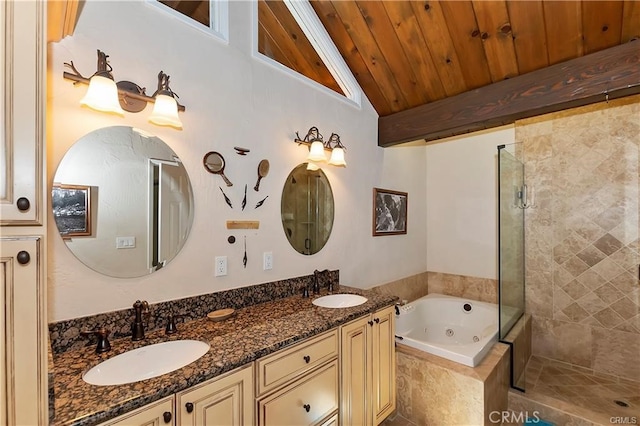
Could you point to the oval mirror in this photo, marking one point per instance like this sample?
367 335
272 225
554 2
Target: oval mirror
122 202
307 209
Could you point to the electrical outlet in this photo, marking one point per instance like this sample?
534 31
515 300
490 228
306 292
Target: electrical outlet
221 266
267 257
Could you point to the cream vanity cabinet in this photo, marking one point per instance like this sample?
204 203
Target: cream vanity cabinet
23 323
225 400
368 369
157 413
299 385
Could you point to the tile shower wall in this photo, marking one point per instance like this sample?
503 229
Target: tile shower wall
582 235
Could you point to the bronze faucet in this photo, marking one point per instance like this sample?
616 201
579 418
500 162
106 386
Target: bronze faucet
325 277
103 342
137 328
171 323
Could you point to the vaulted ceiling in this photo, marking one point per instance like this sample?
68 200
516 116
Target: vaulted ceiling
410 55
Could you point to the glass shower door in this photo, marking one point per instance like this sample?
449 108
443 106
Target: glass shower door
511 202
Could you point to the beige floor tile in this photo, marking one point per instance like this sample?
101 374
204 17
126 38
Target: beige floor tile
582 388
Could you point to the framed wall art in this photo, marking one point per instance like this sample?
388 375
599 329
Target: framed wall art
389 212
72 209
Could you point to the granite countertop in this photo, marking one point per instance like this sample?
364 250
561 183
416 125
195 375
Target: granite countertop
251 333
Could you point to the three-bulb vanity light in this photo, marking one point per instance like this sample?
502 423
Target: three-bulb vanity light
317 147
105 95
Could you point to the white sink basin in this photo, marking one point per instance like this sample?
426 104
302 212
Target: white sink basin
145 362
339 301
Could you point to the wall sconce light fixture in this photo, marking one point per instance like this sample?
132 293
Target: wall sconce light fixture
317 147
104 94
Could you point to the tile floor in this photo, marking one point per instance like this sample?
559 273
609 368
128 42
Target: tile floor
397 420
578 388
582 387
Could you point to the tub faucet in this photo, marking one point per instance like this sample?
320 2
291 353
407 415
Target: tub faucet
137 328
398 304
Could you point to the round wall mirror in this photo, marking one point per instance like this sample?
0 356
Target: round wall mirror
122 202
307 209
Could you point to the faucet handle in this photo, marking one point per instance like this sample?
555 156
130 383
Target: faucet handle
141 309
102 334
171 323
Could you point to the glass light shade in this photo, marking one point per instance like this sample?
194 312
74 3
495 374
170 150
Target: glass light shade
102 95
165 112
316 152
312 167
337 158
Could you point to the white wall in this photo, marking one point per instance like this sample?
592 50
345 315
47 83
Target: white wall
461 206
232 99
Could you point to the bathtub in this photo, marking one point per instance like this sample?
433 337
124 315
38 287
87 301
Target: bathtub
457 329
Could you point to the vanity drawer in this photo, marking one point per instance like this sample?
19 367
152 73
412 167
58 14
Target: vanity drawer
276 370
306 401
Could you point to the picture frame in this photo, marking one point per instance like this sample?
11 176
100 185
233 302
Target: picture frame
71 206
389 212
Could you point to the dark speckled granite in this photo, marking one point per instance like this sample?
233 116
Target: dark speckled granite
252 332
65 335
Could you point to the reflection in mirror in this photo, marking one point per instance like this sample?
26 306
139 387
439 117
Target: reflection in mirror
307 209
122 202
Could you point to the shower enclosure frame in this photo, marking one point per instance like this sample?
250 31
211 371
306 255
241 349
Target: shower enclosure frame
506 277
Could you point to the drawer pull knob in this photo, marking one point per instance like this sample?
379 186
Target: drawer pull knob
377 320
166 416
189 407
307 407
23 257
23 204
370 323
307 358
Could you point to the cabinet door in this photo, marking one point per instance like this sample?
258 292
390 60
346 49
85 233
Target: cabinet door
225 401
356 371
158 413
306 401
384 364
23 352
22 70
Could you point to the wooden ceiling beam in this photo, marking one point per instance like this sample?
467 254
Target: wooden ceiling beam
577 82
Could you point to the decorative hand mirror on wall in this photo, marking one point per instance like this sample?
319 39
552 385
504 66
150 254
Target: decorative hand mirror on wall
122 202
307 209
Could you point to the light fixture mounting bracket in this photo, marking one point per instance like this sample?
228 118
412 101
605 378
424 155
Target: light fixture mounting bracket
130 103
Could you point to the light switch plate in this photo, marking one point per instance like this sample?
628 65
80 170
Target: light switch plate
125 242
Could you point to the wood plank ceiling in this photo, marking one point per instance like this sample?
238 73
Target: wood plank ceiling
406 54
409 53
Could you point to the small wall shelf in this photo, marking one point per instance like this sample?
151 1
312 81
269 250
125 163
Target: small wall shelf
243 224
